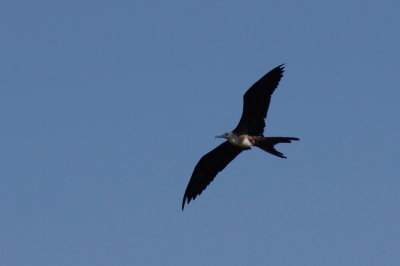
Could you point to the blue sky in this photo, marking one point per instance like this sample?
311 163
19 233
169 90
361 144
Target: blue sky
106 107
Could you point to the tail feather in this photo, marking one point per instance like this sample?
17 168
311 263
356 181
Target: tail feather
267 144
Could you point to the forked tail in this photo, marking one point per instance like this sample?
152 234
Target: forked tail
267 144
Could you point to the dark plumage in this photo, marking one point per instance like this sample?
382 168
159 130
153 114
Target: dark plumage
256 103
208 167
248 133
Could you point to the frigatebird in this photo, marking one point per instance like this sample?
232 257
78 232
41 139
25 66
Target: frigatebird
248 133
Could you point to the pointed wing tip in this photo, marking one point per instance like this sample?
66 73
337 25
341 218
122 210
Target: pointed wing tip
186 199
183 202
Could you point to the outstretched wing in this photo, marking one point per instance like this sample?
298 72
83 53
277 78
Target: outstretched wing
208 167
256 102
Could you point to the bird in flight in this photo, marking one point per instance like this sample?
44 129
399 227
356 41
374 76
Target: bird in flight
248 133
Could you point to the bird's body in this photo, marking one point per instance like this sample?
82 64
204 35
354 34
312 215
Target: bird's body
243 141
248 133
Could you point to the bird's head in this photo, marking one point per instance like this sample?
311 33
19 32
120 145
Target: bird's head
227 135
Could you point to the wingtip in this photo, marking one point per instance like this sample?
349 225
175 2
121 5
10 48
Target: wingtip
183 202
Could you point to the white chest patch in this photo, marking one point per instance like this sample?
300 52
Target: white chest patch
241 142
246 143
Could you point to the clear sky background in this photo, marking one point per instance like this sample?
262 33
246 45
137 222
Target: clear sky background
106 107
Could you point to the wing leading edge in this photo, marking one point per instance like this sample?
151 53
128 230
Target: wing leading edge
208 167
256 103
